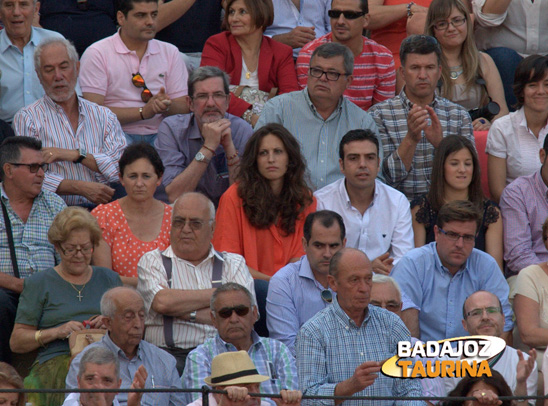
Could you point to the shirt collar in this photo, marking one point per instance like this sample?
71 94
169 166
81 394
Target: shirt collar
346 198
5 197
407 104
540 185
313 108
440 267
170 254
5 41
117 350
49 101
255 341
121 48
344 318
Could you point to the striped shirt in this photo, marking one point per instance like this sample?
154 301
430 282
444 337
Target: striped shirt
99 133
32 249
271 357
330 346
185 276
391 119
374 76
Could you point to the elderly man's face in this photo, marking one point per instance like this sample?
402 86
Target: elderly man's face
231 326
58 74
209 101
127 326
322 88
191 228
386 295
98 377
486 316
17 18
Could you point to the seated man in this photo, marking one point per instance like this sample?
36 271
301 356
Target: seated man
376 216
319 115
178 316
340 350
29 214
100 369
201 151
412 124
524 209
123 312
439 276
300 289
18 40
374 73
236 373
233 314
82 141
158 74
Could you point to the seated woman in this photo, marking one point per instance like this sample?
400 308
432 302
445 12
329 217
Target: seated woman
261 216
10 379
531 304
486 390
514 140
136 223
250 58
456 176
56 302
468 77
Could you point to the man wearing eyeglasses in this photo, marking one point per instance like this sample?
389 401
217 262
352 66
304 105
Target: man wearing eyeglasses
178 315
30 212
233 314
374 72
201 151
318 116
142 80
438 277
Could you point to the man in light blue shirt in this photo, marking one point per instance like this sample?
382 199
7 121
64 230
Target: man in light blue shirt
124 312
300 289
19 84
319 115
438 277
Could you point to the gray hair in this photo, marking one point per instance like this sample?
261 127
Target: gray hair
99 356
71 51
206 72
210 205
108 305
379 278
333 49
230 287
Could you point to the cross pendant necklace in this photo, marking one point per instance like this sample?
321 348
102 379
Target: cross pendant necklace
79 295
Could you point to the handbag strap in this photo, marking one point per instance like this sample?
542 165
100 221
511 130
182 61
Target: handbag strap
7 222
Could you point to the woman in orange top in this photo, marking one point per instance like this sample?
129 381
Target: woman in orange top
261 216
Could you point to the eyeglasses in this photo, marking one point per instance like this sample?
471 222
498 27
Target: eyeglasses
204 97
390 306
194 224
327 295
479 312
467 238
33 168
348 14
443 25
138 81
73 250
332 76
226 312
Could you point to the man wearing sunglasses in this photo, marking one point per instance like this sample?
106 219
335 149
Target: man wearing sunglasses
438 277
30 212
374 72
142 80
233 314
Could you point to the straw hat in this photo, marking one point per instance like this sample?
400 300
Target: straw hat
233 368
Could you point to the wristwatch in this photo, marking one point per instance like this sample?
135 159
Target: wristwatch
192 317
201 158
83 154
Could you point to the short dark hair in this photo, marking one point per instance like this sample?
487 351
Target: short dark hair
125 6
529 70
141 150
206 72
358 135
464 304
459 210
364 5
326 218
334 49
261 12
496 381
419 44
10 150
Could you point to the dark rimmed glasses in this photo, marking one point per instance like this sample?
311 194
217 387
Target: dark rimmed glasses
444 24
467 238
226 312
479 312
138 81
331 76
33 168
327 296
73 250
348 14
194 224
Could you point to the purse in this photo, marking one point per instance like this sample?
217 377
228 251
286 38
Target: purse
79 340
255 97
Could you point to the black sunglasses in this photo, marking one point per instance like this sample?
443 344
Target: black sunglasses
327 296
348 14
226 312
33 168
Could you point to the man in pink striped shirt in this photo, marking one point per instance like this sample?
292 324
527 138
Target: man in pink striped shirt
374 72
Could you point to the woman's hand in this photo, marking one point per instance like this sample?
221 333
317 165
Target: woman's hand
486 397
97 322
481 124
65 330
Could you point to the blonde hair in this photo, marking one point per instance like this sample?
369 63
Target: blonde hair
10 377
70 219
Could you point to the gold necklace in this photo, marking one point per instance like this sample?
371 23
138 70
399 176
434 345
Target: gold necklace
79 296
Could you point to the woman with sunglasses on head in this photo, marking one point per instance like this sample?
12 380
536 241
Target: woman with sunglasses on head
456 176
136 223
261 216
60 300
249 57
468 77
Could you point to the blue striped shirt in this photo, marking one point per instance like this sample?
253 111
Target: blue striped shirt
98 132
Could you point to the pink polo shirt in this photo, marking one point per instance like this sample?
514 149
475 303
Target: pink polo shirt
107 67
